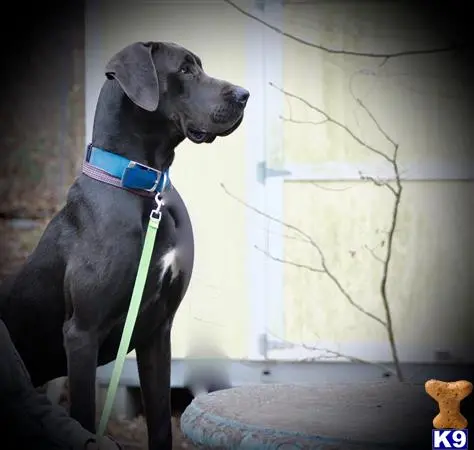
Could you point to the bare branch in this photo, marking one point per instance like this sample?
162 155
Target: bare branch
330 354
292 238
391 233
377 124
324 266
397 191
372 252
390 238
290 263
336 354
396 169
384 282
208 322
326 188
303 122
387 58
377 182
268 216
334 121
384 56
352 92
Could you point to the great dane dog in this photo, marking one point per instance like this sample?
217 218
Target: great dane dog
66 307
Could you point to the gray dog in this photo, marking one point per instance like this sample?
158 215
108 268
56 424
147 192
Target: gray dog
66 307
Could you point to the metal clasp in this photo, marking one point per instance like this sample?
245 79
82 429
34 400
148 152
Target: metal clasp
156 213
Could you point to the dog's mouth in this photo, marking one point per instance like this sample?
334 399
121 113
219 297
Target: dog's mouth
199 136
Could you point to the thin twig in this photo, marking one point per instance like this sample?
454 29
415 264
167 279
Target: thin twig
303 122
326 188
329 352
350 358
372 252
377 124
324 265
290 263
333 121
291 238
377 182
384 56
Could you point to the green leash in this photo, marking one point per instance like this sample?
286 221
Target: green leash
153 224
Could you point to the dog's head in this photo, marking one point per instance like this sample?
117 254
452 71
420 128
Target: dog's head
167 79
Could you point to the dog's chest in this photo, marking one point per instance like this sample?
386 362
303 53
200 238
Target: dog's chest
159 301
157 306
163 274
167 276
168 264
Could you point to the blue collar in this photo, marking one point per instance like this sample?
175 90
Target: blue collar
122 172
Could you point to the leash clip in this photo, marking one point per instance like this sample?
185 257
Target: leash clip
155 214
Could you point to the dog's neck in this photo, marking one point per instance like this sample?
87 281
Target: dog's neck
123 128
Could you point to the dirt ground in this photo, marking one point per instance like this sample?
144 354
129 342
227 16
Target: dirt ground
132 434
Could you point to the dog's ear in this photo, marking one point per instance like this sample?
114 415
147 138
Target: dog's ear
135 71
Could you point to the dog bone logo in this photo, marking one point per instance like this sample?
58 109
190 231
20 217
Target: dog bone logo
449 396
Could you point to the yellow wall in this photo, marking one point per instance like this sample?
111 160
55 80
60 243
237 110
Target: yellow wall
419 103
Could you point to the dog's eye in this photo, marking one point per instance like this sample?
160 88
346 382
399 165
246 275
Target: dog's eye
185 70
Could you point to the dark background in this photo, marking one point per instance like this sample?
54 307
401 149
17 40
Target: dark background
41 119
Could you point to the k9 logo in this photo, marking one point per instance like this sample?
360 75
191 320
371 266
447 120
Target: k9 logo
444 439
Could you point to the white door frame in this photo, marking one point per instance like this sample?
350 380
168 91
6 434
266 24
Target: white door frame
264 142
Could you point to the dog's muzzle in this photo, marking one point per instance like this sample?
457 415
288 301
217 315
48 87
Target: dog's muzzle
200 136
231 112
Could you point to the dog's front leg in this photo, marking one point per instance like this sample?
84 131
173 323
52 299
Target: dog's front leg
81 350
154 368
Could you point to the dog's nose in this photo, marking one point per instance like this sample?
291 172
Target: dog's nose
241 95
